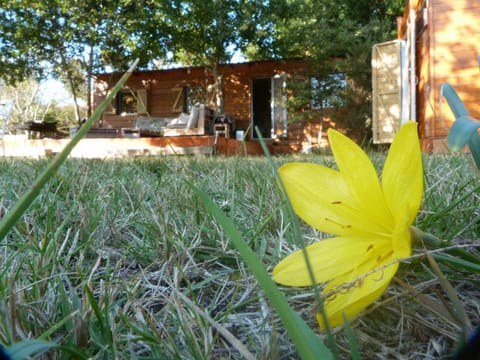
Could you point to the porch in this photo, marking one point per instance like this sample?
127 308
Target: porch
21 146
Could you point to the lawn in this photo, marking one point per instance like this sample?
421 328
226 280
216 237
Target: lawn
119 259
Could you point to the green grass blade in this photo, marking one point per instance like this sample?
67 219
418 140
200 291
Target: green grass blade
352 342
433 241
23 349
29 196
306 341
464 264
95 307
58 325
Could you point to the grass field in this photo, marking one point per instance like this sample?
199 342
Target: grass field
118 259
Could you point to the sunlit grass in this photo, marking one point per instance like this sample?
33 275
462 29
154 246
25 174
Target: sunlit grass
120 259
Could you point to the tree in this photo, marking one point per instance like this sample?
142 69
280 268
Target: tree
207 33
91 35
336 38
84 37
75 38
29 106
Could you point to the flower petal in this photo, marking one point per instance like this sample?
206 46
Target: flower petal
402 178
322 198
356 299
361 177
339 258
402 238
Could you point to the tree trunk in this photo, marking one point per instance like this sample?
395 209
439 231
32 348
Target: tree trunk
218 85
89 82
65 66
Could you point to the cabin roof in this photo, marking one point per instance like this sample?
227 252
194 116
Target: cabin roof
200 67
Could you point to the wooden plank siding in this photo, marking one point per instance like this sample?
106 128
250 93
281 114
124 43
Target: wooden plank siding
425 108
447 47
164 86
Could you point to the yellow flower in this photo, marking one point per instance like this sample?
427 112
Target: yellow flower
371 221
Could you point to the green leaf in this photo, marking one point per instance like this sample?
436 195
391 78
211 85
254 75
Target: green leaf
23 349
352 342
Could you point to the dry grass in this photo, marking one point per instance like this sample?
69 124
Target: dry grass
118 259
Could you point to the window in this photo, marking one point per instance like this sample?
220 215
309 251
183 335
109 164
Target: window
188 96
193 95
328 92
131 102
126 103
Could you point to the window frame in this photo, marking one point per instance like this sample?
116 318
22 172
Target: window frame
139 102
183 99
193 94
121 108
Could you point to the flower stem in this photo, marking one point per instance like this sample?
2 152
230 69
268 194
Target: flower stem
433 241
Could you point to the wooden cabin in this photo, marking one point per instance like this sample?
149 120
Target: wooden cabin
254 95
438 42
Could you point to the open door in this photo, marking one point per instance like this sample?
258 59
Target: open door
279 106
386 90
269 111
261 112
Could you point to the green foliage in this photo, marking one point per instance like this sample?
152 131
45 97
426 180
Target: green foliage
208 33
323 29
76 39
335 37
82 38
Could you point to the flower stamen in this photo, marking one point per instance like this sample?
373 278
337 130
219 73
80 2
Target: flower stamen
337 223
384 257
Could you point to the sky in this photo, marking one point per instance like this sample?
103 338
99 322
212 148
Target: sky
54 90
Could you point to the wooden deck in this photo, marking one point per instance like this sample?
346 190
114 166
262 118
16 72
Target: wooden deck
121 147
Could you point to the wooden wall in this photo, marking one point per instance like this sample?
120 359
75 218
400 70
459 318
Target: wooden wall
163 88
448 44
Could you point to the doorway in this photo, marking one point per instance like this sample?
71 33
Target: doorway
269 109
261 109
